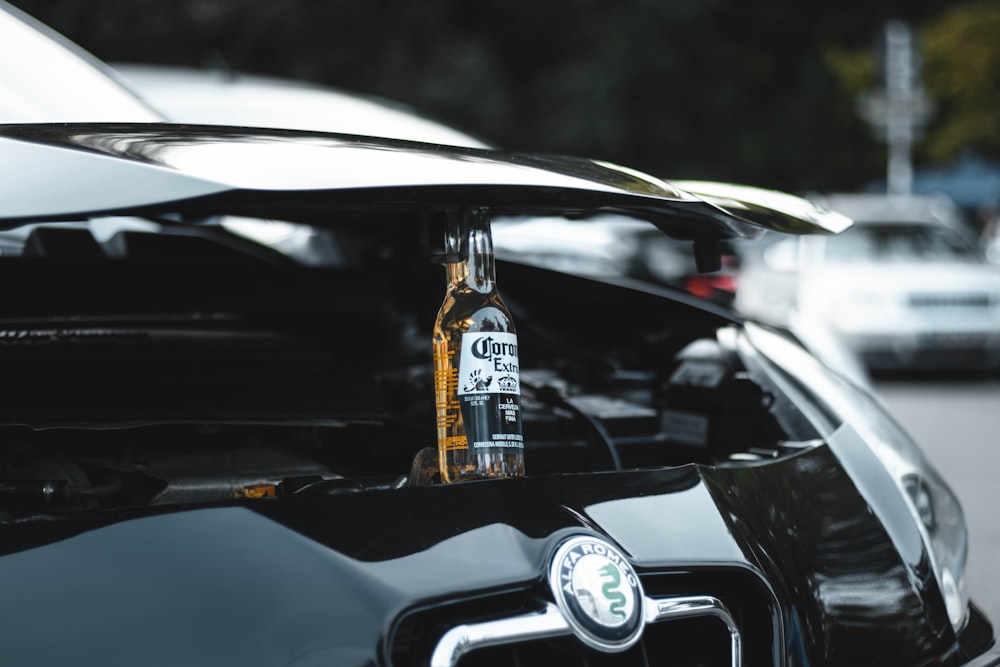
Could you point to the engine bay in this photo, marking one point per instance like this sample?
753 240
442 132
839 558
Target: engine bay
154 382
696 414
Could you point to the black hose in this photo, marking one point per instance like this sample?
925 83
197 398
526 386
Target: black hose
551 397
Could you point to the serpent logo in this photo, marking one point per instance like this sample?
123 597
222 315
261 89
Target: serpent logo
598 593
614 597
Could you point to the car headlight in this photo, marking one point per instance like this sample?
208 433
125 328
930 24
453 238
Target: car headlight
941 516
936 511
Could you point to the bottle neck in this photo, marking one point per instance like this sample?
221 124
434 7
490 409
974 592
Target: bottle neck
469 241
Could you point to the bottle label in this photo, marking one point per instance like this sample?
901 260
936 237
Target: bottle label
446 399
489 390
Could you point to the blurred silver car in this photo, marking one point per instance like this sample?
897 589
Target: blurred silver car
45 78
219 97
907 287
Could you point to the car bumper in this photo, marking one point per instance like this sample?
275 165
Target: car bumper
926 350
974 646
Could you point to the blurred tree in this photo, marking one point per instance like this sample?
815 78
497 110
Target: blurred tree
962 72
717 89
961 58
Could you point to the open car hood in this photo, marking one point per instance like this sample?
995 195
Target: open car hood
65 171
770 209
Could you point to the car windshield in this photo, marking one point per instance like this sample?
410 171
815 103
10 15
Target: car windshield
898 242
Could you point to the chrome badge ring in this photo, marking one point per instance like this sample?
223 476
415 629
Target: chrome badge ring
598 593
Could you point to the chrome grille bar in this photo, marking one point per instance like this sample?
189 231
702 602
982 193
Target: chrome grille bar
549 622
667 609
464 638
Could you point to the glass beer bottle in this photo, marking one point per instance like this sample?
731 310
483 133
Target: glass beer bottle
476 378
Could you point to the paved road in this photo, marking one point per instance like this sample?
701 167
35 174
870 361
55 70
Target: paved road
957 422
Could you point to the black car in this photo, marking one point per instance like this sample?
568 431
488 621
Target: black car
218 429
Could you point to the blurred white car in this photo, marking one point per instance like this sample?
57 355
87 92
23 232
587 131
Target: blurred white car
218 97
907 287
45 78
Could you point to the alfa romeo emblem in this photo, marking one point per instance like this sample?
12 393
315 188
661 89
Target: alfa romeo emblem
598 593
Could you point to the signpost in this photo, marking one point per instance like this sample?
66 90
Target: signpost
900 109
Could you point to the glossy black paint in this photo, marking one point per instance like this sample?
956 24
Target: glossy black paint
307 579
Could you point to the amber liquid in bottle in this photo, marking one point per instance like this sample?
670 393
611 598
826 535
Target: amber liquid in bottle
476 377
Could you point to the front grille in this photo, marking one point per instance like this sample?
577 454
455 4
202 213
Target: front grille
695 641
949 300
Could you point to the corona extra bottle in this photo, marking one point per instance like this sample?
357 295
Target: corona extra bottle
477 384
